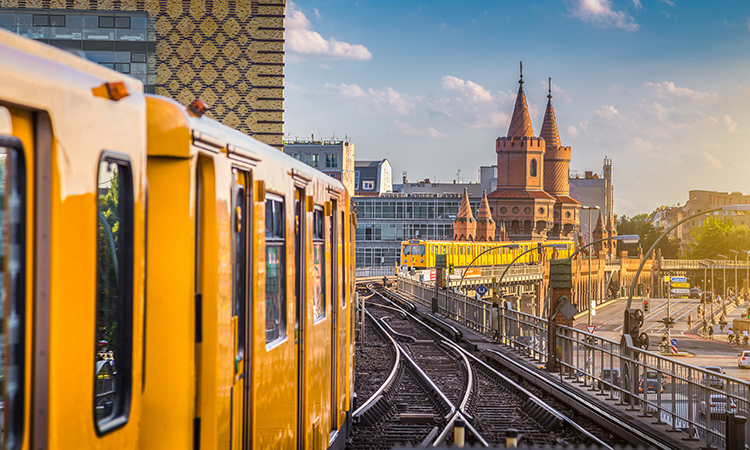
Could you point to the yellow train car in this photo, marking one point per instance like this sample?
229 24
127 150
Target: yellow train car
168 282
420 254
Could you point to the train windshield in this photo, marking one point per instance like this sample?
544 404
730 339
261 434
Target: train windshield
418 250
407 250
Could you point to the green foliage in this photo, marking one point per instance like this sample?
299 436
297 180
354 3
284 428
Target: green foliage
670 247
107 271
717 235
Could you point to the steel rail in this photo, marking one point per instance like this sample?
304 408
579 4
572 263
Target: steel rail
375 396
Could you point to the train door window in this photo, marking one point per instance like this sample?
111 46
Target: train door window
275 269
318 269
114 293
12 294
239 243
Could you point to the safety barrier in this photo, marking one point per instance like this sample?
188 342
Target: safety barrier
682 397
376 272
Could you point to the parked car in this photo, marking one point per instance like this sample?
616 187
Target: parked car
609 377
651 383
714 381
718 405
695 293
743 359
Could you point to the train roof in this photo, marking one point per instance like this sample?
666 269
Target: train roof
175 122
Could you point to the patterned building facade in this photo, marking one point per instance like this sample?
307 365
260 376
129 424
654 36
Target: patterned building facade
228 53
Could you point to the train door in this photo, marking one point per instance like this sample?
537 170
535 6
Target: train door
240 310
299 301
334 315
13 295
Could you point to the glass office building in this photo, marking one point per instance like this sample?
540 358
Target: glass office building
120 40
383 222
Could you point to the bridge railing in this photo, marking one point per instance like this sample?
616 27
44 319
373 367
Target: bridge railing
678 395
375 272
468 311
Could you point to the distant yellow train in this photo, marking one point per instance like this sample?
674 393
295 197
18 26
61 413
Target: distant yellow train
420 254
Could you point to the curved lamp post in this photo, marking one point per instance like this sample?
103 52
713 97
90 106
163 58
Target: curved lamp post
511 246
747 277
590 294
736 253
625 239
724 277
653 246
557 246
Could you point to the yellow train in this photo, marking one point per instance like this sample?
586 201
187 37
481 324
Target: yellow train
420 254
168 282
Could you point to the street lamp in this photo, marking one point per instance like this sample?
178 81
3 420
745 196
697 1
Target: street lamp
625 239
735 273
555 246
747 277
588 297
510 246
736 208
724 291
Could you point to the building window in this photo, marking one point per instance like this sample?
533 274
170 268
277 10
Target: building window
312 159
332 160
356 180
368 185
114 294
532 170
295 156
275 269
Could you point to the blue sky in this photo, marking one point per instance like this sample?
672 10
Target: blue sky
661 87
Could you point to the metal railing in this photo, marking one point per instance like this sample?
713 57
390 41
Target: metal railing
376 272
682 397
468 311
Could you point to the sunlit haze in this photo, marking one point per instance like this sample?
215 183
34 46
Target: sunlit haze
660 87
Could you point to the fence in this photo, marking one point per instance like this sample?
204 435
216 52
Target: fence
376 272
685 398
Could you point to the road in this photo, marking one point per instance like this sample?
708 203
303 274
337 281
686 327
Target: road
702 352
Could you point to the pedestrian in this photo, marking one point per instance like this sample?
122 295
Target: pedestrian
690 321
711 333
730 335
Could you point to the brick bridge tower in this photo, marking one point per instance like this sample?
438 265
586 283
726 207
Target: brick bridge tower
464 227
520 200
556 178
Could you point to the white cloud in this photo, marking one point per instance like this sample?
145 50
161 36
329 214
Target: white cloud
572 131
471 104
372 101
668 2
469 89
711 161
601 13
668 91
637 4
731 124
748 24
410 131
608 112
302 40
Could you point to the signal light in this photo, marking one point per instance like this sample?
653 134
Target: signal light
645 306
197 108
116 90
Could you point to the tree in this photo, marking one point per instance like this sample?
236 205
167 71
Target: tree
670 247
717 235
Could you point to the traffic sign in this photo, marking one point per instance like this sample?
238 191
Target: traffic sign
440 262
674 341
590 328
678 279
481 290
680 285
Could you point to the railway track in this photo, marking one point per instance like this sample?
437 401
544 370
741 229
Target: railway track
488 402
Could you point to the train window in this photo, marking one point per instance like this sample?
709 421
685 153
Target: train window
275 269
318 269
239 233
420 250
407 250
12 304
114 293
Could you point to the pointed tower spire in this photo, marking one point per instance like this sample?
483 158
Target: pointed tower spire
549 125
520 122
485 224
464 227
